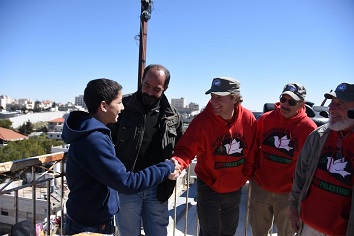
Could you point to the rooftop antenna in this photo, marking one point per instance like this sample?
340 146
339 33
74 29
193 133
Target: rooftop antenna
325 99
324 113
145 15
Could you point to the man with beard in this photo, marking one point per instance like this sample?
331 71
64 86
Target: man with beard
281 133
145 134
321 199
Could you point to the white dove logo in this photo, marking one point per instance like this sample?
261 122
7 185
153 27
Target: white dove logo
282 143
233 148
337 166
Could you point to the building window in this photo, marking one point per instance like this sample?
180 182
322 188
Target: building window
4 212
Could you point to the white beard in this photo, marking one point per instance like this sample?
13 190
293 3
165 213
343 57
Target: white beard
341 125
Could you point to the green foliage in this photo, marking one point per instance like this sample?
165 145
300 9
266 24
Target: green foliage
5 123
37 106
47 143
40 126
42 129
26 128
27 148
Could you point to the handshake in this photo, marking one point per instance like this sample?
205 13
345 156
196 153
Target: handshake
174 175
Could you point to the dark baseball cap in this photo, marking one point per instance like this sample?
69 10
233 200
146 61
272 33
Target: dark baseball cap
224 86
295 90
344 92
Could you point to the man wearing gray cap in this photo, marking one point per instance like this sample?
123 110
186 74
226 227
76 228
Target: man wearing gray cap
321 199
221 137
281 133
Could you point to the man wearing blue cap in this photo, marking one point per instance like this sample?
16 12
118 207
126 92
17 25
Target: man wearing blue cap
281 134
221 137
322 192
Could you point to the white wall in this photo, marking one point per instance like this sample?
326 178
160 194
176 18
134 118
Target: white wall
35 117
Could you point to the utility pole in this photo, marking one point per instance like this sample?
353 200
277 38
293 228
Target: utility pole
144 17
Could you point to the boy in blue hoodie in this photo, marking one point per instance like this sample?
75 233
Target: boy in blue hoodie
93 172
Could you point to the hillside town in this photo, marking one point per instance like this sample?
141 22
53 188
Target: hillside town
20 110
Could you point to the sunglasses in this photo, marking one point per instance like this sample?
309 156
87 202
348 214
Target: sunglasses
291 102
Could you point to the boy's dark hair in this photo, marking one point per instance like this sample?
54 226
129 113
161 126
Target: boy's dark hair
99 90
158 67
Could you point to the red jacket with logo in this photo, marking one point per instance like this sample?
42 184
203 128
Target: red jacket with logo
224 153
280 141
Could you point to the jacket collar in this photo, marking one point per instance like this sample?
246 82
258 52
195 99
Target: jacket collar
133 102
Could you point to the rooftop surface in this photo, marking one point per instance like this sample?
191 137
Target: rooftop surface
190 219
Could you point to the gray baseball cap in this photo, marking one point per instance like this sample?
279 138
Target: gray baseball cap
344 92
223 86
295 90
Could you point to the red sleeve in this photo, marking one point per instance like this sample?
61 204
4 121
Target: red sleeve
250 160
190 144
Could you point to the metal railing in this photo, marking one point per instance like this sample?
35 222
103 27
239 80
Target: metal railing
42 170
52 167
17 170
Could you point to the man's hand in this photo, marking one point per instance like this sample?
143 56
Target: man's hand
294 218
177 172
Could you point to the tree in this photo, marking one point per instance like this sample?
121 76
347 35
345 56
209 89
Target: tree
5 123
31 147
13 107
37 106
26 128
43 129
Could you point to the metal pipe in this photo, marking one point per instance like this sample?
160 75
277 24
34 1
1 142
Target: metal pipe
48 208
187 209
144 17
16 206
247 208
33 197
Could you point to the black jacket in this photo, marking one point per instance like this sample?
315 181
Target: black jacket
128 132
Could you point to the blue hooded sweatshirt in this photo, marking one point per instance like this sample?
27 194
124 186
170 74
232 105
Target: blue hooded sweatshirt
95 175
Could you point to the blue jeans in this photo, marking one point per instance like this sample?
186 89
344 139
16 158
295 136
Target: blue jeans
71 227
218 213
145 207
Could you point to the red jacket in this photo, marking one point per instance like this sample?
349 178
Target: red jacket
280 141
224 153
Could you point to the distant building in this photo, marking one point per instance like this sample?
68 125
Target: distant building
178 102
47 104
181 105
187 111
193 106
79 101
5 100
55 128
25 103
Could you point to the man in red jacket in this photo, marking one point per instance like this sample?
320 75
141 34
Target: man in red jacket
221 137
281 133
322 194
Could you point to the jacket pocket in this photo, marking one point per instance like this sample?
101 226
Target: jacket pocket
324 215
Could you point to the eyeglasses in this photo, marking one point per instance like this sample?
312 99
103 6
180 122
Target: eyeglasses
291 102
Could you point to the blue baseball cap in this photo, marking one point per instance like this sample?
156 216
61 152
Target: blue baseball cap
344 92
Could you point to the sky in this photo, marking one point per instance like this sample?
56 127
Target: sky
50 50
